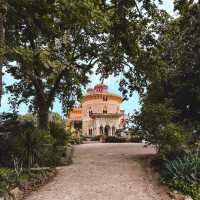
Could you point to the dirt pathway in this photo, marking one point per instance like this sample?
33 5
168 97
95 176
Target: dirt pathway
104 172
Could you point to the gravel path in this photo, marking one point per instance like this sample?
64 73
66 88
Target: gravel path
104 172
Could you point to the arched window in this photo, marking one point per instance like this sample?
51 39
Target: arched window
101 130
90 131
105 110
113 130
107 130
90 111
105 98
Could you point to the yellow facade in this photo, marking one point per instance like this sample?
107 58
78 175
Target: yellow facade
98 114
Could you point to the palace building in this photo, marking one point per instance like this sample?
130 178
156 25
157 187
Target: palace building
98 114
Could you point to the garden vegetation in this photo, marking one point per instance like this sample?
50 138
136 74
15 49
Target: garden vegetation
50 48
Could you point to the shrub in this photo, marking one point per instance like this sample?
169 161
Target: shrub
30 145
114 139
26 143
173 139
183 174
7 179
83 138
135 139
96 138
75 138
59 134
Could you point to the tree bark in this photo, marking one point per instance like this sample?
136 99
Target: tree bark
3 8
41 105
43 116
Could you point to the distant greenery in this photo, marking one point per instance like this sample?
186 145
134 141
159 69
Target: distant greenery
27 117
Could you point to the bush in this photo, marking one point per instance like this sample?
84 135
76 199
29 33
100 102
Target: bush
30 145
7 180
96 138
24 142
183 174
75 138
135 139
59 134
113 139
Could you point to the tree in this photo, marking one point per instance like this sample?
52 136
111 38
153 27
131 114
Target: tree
132 35
170 111
3 7
54 43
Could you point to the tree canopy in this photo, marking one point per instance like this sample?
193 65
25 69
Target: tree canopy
54 44
132 35
170 116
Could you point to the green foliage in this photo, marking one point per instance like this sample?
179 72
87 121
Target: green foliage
183 174
32 146
132 35
169 116
114 139
55 45
75 138
7 180
173 139
59 134
25 143
96 138
156 126
57 119
59 145
135 139
26 117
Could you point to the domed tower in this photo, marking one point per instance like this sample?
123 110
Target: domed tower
100 112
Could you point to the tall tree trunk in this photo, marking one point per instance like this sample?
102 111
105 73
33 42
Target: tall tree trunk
3 8
41 105
43 116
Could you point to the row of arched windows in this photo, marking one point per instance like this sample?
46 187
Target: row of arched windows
107 130
104 110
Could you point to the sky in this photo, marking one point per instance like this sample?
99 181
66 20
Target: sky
113 84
